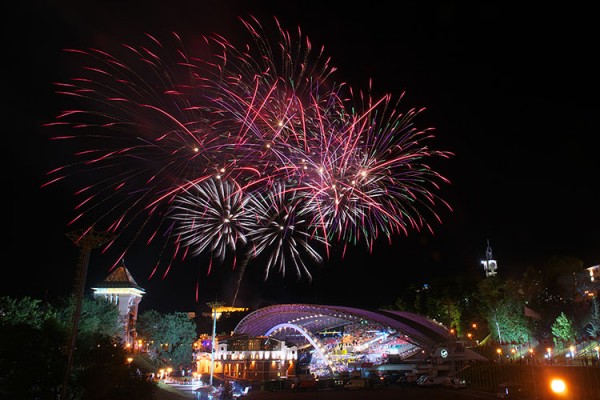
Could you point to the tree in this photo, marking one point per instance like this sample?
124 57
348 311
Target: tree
27 310
171 336
511 321
399 305
593 327
103 373
98 317
502 306
447 311
562 329
32 362
148 327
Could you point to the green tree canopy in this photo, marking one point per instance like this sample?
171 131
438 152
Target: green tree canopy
593 327
33 336
98 317
26 310
562 329
170 336
502 305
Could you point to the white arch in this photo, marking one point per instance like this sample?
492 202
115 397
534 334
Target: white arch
309 336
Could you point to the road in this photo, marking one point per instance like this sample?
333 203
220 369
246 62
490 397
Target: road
390 393
182 392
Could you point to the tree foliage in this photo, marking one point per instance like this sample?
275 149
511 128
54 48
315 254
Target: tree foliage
593 327
98 317
562 329
502 307
32 363
510 322
496 303
170 336
33 340
26 310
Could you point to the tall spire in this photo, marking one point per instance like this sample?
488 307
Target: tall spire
489 264
488 251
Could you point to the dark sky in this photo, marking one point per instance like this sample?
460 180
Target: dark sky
510 90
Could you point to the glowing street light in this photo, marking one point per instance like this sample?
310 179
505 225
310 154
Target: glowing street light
214 306
558 386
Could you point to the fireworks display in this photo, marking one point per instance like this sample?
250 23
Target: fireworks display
244 151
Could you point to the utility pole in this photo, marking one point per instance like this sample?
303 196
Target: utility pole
214 306
86 240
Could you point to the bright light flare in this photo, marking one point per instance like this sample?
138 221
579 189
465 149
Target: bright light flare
558 386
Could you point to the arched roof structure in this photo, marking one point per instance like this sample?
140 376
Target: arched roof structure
313 318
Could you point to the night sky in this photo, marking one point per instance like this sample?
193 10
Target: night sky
510 90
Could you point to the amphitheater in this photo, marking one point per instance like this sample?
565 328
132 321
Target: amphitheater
339 338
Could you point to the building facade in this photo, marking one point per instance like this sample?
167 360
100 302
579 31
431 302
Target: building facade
243 357
121 289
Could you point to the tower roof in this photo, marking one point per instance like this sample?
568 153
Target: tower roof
120 277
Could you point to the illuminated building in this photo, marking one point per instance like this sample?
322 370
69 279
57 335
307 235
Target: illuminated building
121 289
490 266
324 341
248 358
594 273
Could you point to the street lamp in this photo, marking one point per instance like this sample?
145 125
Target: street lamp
214 307
499 351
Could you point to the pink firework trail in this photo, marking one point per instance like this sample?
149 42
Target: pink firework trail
254 151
